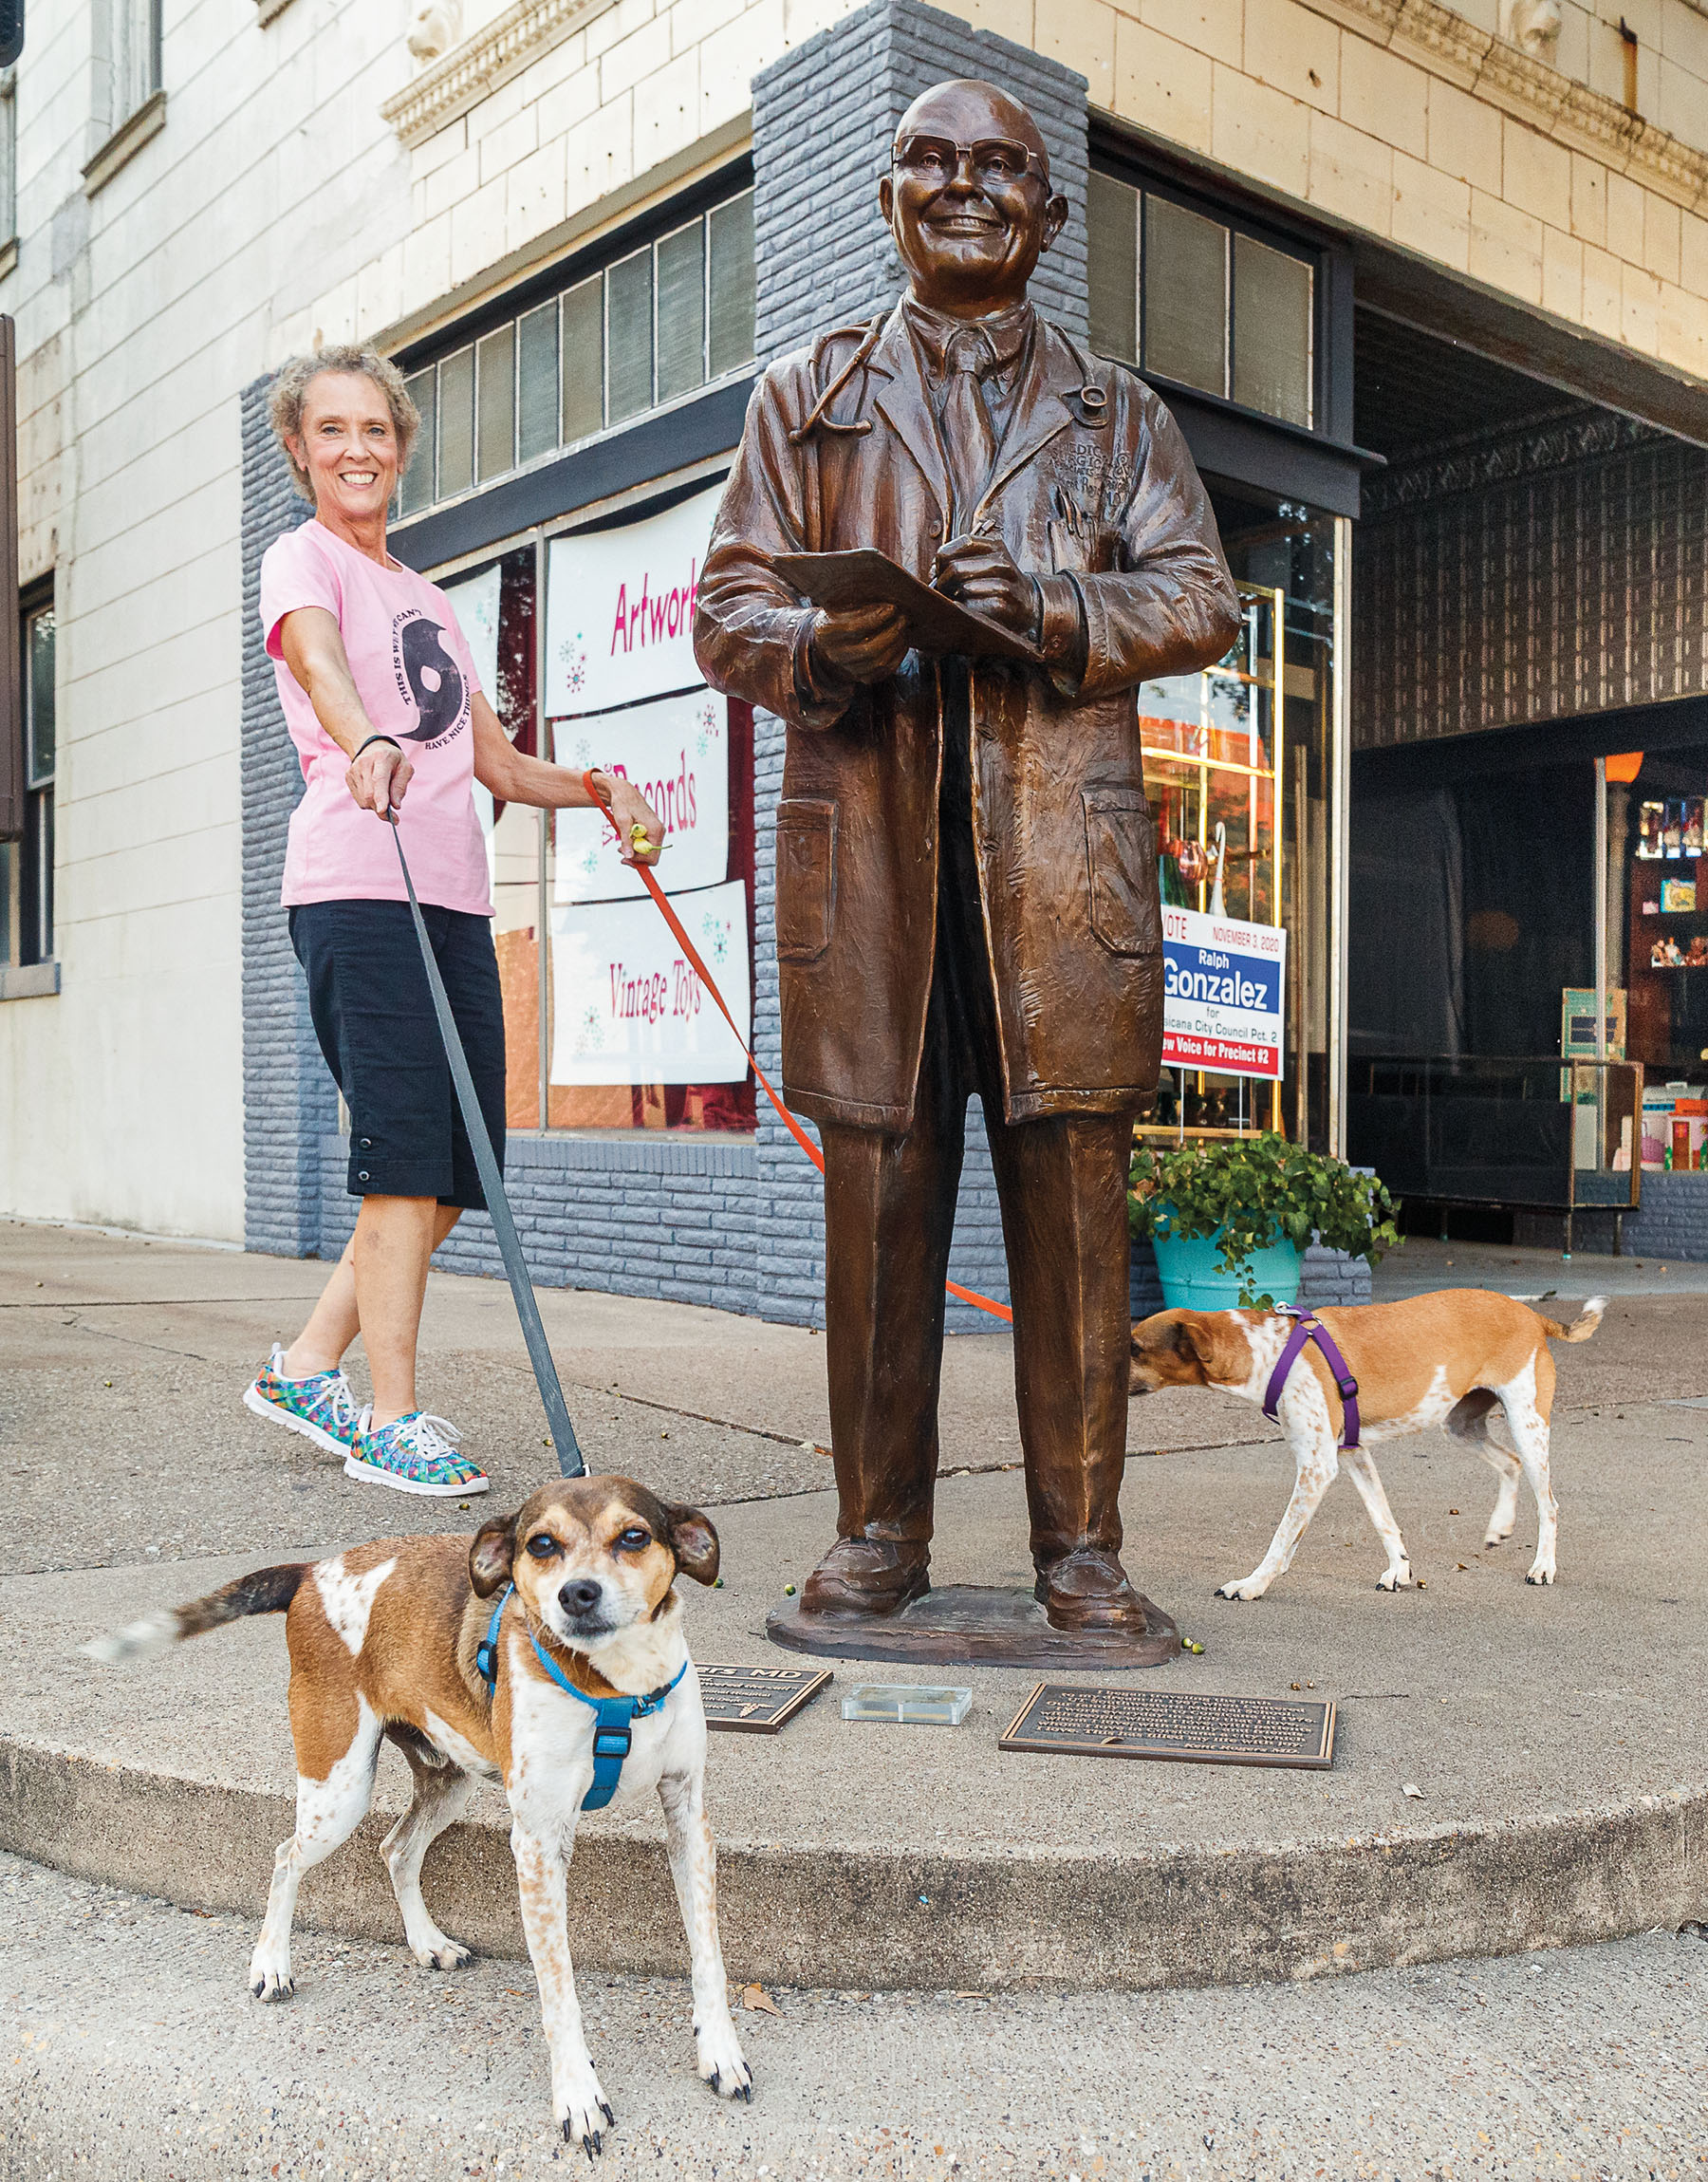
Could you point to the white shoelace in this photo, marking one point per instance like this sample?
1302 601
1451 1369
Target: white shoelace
432 1438
347 1412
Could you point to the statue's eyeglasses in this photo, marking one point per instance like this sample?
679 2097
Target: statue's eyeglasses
994 159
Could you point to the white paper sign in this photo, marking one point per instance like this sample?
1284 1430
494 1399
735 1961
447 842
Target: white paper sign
620 609
474 603
627 1006
676 752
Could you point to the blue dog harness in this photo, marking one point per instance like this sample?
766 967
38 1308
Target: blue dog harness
616 1715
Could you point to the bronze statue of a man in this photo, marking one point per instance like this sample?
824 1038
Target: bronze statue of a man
966 861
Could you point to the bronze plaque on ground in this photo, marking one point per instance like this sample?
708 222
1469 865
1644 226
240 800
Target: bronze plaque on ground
1059 1718
757 1699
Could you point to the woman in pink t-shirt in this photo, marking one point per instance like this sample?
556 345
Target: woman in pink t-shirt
381 696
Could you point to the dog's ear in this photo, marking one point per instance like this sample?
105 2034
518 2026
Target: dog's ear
491 1555
693 1540
1210 1341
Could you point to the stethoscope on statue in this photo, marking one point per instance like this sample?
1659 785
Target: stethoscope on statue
1089 402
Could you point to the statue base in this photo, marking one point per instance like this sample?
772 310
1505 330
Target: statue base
972 1625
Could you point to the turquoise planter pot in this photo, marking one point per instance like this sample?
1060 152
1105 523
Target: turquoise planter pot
1193 1277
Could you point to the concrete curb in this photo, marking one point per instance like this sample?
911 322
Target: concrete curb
1214 1916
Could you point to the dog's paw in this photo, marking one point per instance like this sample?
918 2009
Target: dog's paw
721 2063
580 2109
443 1954
1541 1574
1249 1587
270 1981
1494 1538
1399 1578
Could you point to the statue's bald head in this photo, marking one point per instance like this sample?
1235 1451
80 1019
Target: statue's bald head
969 109
968 198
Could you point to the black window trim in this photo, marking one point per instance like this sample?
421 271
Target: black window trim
1243 213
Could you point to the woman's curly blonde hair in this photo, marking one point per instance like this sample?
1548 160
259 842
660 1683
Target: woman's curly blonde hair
291 390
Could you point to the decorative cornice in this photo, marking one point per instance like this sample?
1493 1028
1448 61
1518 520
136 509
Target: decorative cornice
1562 441
481 64
1447 45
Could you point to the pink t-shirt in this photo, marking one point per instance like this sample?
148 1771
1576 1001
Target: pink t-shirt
415 680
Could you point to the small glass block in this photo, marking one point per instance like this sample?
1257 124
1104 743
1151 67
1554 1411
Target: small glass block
914 1704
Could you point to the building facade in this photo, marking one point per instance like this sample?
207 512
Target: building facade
1427 290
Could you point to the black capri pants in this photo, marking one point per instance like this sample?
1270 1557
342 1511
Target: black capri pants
373 1014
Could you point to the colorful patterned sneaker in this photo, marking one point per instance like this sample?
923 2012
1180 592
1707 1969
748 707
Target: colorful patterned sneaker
320 1406
414 1455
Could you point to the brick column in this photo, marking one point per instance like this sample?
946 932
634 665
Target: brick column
289 1101
824 118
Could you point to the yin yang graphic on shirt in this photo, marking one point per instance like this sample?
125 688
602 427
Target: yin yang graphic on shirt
428 677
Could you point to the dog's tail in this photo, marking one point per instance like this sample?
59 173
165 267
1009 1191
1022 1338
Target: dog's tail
263 1590
1581 1327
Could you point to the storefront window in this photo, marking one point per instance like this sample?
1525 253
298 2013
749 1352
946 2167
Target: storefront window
1657 909
1239 765
607 1024
656 324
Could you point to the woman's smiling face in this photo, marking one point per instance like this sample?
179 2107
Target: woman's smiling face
348 445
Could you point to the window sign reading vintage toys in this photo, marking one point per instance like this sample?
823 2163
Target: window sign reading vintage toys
1222 988
627 1005
620 609
676 752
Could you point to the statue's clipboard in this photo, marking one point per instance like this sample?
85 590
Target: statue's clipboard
865 577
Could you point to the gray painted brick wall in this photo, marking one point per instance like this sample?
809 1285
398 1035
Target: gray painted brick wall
289 1101
1670 1224
824 118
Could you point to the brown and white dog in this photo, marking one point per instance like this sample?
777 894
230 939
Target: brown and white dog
382 1643
1476 1363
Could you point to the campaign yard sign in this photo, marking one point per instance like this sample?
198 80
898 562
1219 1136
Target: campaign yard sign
627 1005
1221 994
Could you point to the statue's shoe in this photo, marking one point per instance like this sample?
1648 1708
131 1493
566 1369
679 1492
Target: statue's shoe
862 1576
1090 1590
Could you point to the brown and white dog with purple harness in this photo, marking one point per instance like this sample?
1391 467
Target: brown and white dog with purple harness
548 1654
1339 1381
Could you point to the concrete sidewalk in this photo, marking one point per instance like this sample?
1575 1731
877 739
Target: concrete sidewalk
1556 1735
130 2050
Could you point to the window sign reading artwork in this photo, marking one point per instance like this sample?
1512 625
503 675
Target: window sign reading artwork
629 1008
1222 988
619 610
676 752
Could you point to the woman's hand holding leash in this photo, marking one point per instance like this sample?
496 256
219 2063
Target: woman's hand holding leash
640 835
379 776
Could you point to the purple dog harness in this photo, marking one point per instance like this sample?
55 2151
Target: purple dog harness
1308 1327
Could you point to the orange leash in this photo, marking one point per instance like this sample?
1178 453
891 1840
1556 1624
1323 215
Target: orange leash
964 1294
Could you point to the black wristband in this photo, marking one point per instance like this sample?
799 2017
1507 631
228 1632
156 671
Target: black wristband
361 746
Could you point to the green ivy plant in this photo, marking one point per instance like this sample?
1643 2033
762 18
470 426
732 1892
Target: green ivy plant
1252 1192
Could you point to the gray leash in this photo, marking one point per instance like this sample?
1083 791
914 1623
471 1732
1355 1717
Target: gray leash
570 1460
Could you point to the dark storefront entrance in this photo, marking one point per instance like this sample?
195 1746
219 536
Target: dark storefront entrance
1521 839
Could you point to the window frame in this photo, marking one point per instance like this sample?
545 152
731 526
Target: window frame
115 112
687 209
1243 214
30 927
